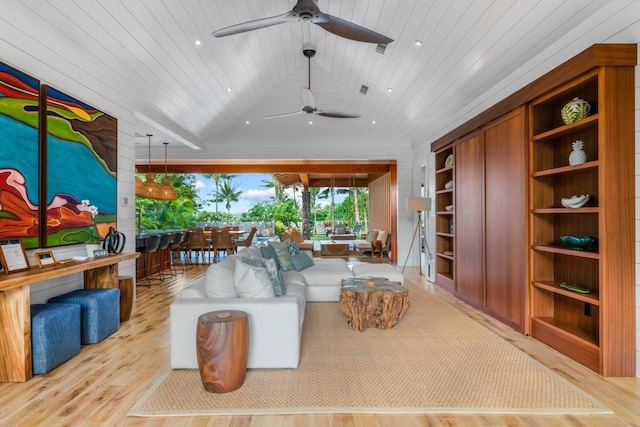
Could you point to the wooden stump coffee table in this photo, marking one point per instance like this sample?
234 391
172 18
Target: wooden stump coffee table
373 302
330 249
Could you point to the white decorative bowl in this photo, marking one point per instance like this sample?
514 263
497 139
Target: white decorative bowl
574 202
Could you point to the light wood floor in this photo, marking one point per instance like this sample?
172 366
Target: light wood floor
101 384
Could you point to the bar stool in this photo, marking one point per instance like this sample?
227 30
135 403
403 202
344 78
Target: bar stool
173 247
161 252
184 246
147 252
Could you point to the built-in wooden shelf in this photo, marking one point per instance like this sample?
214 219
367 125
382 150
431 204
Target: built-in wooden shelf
565 251
566 169
591 298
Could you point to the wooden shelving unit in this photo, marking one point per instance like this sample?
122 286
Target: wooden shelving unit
592 328
445 227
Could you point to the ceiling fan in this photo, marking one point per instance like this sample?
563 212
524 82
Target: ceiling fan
309 101
308 11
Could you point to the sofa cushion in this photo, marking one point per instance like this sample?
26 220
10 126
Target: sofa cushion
282 252
250 251
219 281
252 282
275 275
326 271
382 236
301 261
372 235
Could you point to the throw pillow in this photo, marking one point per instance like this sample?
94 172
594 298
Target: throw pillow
275 275
293 248
296 236
372 235
282 252
218 281
382 236
301 261
252 282
270 253
284 236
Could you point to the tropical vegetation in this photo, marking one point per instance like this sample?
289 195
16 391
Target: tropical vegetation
282 209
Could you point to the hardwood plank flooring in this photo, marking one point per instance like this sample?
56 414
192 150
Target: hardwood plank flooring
100 385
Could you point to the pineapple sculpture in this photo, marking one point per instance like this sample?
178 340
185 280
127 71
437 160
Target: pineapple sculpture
577 156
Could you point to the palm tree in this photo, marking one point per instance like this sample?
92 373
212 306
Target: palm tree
228 193
217 177
279 194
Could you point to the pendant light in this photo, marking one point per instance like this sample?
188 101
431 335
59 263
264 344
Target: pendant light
167 191
149 188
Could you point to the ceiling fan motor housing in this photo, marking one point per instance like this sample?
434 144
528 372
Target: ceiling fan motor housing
309 52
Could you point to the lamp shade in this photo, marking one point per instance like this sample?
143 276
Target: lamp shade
419 204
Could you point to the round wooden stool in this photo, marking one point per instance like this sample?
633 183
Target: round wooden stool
222 342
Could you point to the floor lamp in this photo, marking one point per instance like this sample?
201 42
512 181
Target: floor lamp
417 204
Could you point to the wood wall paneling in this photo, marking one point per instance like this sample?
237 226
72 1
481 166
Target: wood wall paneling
506 218
469 219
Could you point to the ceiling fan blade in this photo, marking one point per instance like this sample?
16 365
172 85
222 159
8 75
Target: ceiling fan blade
277 116
255 25
349 30
336 115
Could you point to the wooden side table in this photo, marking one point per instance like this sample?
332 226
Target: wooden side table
376 249
222 345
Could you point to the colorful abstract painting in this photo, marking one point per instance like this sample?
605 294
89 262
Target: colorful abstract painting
81 153
19 150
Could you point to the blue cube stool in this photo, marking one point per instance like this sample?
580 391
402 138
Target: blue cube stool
100 312
55 335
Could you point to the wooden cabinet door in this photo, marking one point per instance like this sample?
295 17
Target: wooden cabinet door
506 218
469 217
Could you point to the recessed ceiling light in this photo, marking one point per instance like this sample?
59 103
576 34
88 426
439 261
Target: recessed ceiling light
418 43
373 122
229 89
247 122
389 89
310 122
198 42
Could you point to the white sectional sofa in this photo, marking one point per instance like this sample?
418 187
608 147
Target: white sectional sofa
275 322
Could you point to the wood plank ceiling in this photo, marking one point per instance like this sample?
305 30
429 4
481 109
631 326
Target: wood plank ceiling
196 95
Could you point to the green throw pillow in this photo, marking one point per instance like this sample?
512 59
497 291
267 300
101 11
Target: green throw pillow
269 252
301 261
282 252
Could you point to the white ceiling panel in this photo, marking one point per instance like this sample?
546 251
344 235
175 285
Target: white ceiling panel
142 54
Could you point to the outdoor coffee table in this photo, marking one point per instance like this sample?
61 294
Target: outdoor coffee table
334 249
373 302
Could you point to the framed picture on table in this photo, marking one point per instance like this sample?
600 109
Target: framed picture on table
45 259
13 256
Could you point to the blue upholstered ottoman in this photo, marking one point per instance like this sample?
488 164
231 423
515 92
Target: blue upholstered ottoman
55 335
100 312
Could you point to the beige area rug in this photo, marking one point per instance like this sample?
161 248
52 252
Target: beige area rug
435 360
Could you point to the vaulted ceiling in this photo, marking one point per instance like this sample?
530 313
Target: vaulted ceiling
196 96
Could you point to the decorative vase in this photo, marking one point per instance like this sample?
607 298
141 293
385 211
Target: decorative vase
92 247
575 110
577 156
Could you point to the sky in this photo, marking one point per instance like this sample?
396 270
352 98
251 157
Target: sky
252 189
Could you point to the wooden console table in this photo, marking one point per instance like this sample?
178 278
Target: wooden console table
15 310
